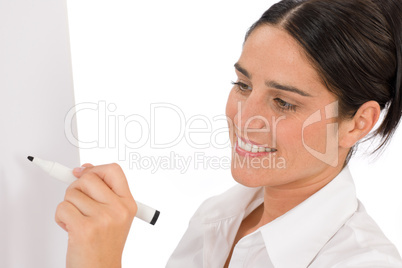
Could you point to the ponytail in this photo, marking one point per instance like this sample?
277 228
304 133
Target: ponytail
392 12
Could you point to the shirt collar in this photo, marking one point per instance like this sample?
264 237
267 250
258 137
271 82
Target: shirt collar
295 238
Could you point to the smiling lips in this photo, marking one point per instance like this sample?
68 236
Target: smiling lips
244 147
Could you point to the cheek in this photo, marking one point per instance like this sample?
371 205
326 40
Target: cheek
293 139
316 137
289 136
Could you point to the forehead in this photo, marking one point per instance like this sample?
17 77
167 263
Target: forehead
271 53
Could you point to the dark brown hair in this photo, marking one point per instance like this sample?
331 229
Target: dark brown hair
356 47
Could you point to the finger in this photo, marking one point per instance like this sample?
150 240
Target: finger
79 170
87 165
61 224
94 187
84 203
113 176
67 216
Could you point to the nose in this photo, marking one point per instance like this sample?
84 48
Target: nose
250 116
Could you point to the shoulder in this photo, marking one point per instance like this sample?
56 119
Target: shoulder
360 243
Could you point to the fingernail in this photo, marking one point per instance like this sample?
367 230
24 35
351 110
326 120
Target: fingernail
78 170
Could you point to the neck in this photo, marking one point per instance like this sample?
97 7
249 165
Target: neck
280 199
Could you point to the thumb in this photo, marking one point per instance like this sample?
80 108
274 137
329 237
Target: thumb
77 172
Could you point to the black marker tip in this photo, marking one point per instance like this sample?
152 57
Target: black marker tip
30 158
155 217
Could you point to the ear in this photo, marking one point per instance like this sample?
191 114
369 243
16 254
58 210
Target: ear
354 129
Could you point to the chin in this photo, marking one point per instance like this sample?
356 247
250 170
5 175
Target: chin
247 178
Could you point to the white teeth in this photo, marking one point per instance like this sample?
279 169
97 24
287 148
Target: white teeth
252 147
247 147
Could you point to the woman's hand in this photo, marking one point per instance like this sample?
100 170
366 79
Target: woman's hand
97 212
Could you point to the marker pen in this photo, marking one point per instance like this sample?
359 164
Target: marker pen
65 174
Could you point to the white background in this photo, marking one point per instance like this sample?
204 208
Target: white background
36 91
128 55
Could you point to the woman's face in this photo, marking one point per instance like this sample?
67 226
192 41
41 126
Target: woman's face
280 105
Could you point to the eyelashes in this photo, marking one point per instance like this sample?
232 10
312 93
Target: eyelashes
240 86
285 105
282 105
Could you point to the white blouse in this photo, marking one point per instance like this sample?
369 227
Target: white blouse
331 229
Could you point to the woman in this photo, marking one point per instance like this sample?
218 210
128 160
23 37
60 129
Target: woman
313 78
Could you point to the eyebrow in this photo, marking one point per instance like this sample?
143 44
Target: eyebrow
242 70
276 85
273 84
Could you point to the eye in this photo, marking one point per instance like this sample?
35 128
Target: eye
283 105
240 86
